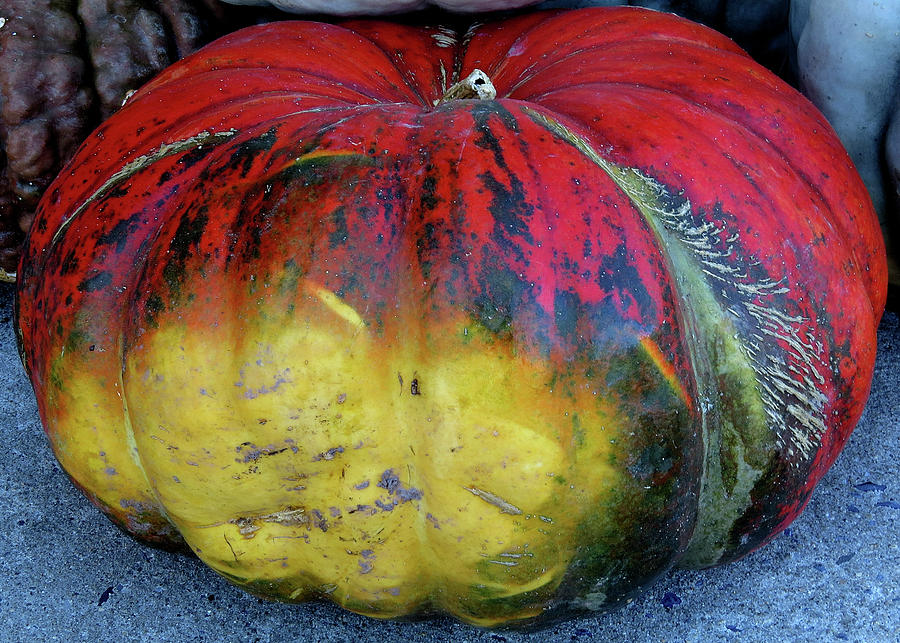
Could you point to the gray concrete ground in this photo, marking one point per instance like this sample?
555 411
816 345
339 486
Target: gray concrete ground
66 574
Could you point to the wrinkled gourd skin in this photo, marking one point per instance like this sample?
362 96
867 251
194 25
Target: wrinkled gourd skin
848 64
502 358
64 66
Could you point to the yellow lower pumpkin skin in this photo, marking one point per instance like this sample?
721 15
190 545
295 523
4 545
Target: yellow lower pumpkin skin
390 473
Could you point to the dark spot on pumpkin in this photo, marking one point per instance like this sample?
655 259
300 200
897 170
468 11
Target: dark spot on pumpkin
69 263
368 213
395 487
511 212
389 481
120 233
318 520
654 461
618 276
566 309
414 387
429 199
426 244
96 282
501 294
200 151
385 506
329 454
339 232
246 152
117 192
249 452
152 308
482 111
289 279
187 236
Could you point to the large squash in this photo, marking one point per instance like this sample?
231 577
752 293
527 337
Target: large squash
320 304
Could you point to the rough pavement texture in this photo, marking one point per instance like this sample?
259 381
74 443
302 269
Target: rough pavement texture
66 574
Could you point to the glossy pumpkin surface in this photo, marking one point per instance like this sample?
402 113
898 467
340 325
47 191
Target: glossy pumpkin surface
503 357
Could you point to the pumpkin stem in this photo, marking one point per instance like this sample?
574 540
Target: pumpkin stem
476 85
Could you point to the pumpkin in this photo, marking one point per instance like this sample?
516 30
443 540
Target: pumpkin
502 323
65 65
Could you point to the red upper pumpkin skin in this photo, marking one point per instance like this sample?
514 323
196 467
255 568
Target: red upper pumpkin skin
643 213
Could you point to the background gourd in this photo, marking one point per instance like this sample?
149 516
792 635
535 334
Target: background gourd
848 63
64 66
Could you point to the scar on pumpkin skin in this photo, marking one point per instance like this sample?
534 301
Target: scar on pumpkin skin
492 499
289 517
336 305
138 164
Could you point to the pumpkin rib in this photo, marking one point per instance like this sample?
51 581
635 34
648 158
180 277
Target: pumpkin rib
280 38
609 51
403 72
553 45
787 154
212 76
710 111
544 234
368 93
